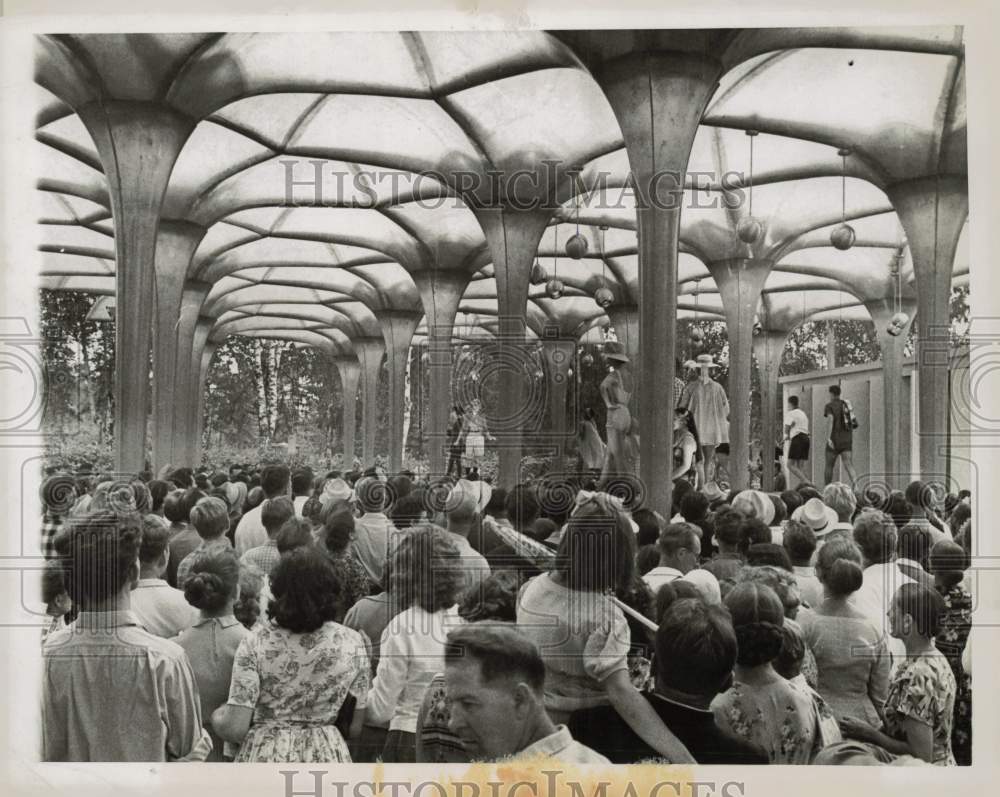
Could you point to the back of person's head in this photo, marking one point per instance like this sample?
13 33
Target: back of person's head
757 618
426 570
294 533
840 498
677 536
302 481
781 581
158 490
497 505
800 542
914 543
190 499
753 531
729 527
400 486
338 530
961 513
305 591
173 507
649 526
555 498
213 579
838 567
674 591
102 551
919 494
780 510
182 477
808 491
788 664
694 506
274 480
695 648
53 582
275 512
597 549
155 539
210 518
898 509
947 562
835 391
792 499
924 605
500 650
769 553
247 606
372 494
682 489
255 497
496 599
522 507
542 529
647 558
875 534
407 511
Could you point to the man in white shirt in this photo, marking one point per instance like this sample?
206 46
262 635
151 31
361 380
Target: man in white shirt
495 681
250 533
374 534
680 547
160 609
302 483
464 508
797 436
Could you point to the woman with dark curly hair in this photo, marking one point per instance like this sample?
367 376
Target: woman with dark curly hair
292 674
211 642
572 617
335 537
761 706
425 582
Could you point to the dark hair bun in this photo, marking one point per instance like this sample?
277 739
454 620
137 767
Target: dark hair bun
844 577
206 591
758 643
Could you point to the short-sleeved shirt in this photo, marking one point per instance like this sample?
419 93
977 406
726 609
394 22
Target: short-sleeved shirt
583 638
797 421
161 609
157 714
842 434
924 689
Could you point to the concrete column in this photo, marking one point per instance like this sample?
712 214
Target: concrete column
558 355
176 242
897 473
659 99
187 422
349 370
398 327
768 348
137 143
369 351
740 282
440 294
200 352
513 237
932 211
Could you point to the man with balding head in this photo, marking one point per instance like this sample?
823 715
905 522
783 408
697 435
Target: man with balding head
374 534
463 510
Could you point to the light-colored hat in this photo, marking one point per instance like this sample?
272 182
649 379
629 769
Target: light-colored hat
706 360
706 584
613 350
690 365
477 493
816 515
335 490
713 492
755 503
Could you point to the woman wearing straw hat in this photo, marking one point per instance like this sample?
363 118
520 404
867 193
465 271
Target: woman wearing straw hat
706 399
616 390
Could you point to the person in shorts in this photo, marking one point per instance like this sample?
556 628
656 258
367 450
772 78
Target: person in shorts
840 437
797 436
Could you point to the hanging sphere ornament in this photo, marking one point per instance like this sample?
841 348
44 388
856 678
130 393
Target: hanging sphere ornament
576 246
897 323
748 230
554 288
843 236
587 359
604 297
538 274
696 336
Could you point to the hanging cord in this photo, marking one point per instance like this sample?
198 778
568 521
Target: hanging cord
843 186
751 134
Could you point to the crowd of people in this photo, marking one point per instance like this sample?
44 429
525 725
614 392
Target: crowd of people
268 616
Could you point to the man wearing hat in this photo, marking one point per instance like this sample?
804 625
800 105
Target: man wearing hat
707 402
616 391
817 516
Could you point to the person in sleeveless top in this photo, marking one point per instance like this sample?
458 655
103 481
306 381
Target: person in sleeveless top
616 391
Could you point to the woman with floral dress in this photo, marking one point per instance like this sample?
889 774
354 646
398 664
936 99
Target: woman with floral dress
761 706
920 706
948 563
292 675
